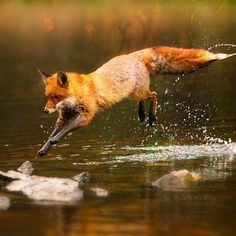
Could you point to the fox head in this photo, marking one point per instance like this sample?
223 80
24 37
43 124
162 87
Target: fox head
57 89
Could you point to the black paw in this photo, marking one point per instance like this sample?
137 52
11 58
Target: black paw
152 114
42 152
152 120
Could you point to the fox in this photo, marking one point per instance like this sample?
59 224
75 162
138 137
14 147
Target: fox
78 97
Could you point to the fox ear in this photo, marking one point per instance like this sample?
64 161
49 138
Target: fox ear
62 79
43 75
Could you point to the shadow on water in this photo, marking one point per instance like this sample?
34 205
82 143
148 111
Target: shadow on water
196 119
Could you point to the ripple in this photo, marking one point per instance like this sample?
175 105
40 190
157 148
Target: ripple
179 152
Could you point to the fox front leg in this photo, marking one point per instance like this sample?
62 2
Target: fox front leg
66 111
74 124
60 124
47 146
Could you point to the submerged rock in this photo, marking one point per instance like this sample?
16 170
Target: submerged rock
100 192
44 188
4 203
176 180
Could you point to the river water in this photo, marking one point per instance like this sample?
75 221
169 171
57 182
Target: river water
196 127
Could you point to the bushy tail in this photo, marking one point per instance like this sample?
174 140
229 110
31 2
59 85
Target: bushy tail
168 60
221 56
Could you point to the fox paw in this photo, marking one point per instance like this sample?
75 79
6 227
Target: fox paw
152 120
42 152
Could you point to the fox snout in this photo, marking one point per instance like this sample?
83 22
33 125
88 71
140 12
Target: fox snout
49 111
50 107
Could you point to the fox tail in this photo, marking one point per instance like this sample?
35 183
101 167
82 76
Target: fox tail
169 60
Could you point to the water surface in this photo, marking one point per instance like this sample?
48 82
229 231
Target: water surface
196 122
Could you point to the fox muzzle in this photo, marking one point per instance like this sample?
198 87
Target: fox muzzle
49 111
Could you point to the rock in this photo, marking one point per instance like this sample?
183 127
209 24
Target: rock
83 178
16 175
100 192
11 175
4 203
233 148
5 177
176 180
44 188
26 168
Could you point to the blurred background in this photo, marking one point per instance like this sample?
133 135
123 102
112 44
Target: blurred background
194 109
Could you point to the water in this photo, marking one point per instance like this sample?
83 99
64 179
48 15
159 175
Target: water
196 122
228 46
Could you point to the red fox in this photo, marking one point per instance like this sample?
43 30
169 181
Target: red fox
78 97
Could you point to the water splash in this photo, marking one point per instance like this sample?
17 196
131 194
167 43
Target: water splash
180 152
229 45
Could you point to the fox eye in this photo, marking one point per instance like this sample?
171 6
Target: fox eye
57 97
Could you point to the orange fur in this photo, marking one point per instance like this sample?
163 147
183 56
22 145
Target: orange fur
177 60
81 87
125 76
101 88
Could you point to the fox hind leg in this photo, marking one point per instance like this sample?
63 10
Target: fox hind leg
152 96
141 111
141 94
153 108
